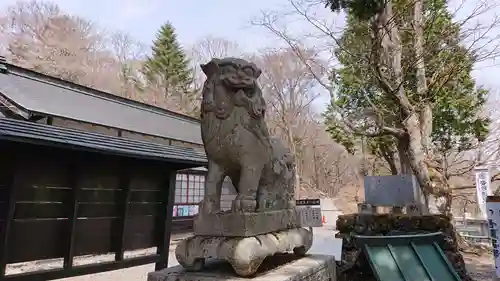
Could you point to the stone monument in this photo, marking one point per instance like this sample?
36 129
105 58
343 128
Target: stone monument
263 220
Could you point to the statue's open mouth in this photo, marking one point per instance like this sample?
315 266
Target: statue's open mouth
237 83
248 90
242 86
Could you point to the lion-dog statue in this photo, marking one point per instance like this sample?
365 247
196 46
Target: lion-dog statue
237 141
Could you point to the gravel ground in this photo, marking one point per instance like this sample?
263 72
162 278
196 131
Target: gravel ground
128 274
480 268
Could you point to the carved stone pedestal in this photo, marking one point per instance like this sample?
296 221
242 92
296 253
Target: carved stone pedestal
231 224
245 254
310 268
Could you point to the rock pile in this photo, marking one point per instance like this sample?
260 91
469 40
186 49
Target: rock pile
354 266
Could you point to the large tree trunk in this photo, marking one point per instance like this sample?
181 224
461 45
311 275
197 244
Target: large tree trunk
425 110
418 46
426 129
425 117
388 154
416 136
404 161
416 158
390 40
431 181
416 155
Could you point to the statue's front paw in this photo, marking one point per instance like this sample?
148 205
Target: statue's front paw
244 206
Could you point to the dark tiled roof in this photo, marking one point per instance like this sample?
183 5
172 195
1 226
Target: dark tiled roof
24 131
42 94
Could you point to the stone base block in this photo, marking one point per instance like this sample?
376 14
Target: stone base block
310 268
231 224
245 254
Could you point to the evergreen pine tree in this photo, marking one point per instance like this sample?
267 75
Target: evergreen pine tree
168 65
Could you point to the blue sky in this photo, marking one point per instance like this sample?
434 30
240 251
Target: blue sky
193 19
196 19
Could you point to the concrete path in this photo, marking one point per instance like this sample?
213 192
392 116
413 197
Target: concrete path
324 243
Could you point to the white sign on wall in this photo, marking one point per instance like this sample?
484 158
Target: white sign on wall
310 212
482 188
493 215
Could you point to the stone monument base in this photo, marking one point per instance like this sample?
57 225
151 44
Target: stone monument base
310 268
245 254
231 224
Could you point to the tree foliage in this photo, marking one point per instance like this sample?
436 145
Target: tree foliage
168 63
361 9
455 100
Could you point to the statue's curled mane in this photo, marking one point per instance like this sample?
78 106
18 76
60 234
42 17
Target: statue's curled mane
232 82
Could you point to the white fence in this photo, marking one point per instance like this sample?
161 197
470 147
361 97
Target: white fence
473 230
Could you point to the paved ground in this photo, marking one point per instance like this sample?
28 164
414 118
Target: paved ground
323 244
480 267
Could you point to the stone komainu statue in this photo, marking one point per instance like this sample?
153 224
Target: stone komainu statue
237 141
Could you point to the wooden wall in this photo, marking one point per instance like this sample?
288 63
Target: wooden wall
179 224
47 184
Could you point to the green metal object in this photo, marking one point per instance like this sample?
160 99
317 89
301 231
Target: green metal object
407 257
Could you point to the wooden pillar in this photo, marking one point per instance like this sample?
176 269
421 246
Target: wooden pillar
123 205
74 173
164 219
10 201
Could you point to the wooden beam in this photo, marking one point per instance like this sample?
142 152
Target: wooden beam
52 274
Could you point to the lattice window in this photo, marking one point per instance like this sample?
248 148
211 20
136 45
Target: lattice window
189 191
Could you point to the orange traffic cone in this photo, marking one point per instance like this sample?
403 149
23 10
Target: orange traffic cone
323 219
